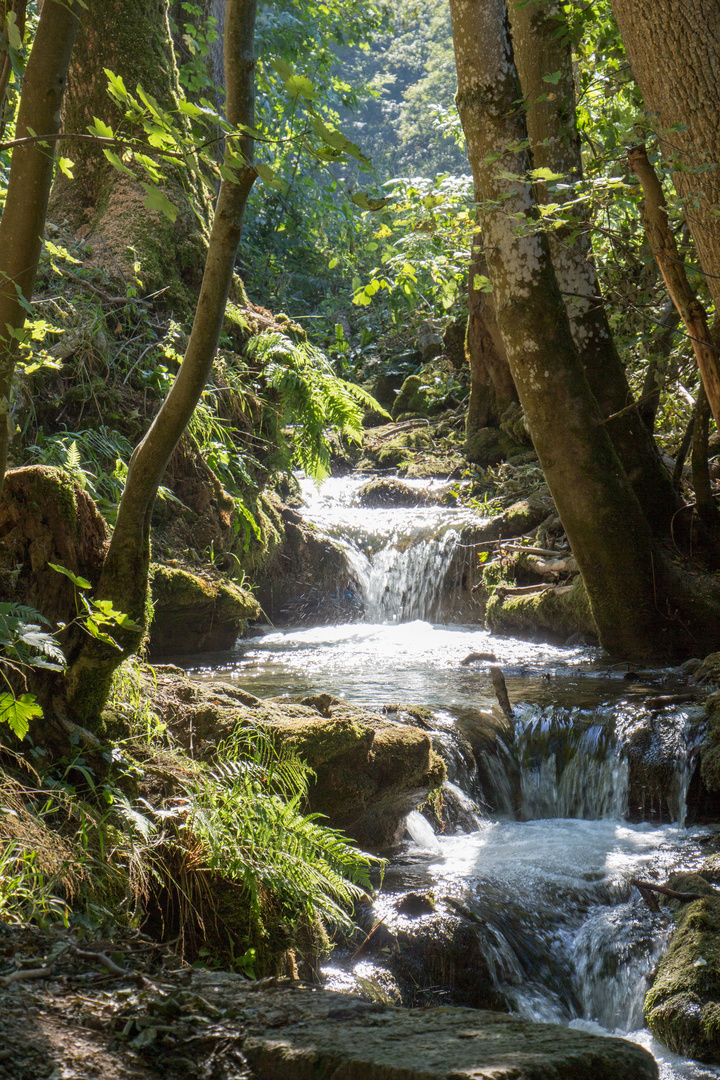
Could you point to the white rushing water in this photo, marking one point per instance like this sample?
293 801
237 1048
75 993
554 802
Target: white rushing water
399 557
546 864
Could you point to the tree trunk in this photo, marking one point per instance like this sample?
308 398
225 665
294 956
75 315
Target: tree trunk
665 249
124 578
492 389
541 47
673 47
133 41
31 171
623 573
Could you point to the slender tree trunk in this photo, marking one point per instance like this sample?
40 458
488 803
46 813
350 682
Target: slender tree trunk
31 172
655 373
124 578
492 389
541 47
673 47
665 249
610 537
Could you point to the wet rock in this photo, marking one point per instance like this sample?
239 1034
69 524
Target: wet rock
369 772
475 657
682 1008
196 613
308 580
412 905
655 786
387 491
490 736
709 670
311 1035
710 750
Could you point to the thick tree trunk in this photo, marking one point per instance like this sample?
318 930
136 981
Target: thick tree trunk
674 49
31 172
610 537
124 579
133 41
541 47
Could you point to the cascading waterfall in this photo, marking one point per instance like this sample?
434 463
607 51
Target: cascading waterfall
547 820
401 559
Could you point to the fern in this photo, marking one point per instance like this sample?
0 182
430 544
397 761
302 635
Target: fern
247 815
312 399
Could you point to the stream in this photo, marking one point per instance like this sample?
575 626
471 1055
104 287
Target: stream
541 836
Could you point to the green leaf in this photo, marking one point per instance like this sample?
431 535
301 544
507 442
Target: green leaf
116 85
116 162
18 712
545 174
360 199
13 33
155 200
554 79
66 167
101 129
300 86
78 582
283 69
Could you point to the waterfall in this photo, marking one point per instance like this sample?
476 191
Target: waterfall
408 564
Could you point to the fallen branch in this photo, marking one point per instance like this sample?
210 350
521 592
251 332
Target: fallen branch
103 959
647 888
520 590
25 973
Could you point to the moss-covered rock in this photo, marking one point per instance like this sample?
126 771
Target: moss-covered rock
45 517
196 613
555 614
682 1008
489 446
710 750
369 772
387 491
414 398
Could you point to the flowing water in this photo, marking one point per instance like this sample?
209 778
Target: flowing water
551 823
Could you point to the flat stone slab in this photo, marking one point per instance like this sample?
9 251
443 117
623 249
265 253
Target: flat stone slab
308 1034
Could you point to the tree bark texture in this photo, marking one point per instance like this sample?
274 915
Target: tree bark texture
31 171
18 8
674 50
541 47
665 249
124 578
492 389
609 534
134 42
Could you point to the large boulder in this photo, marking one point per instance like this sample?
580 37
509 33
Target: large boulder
315 1035
682 1008
196 612
370 772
